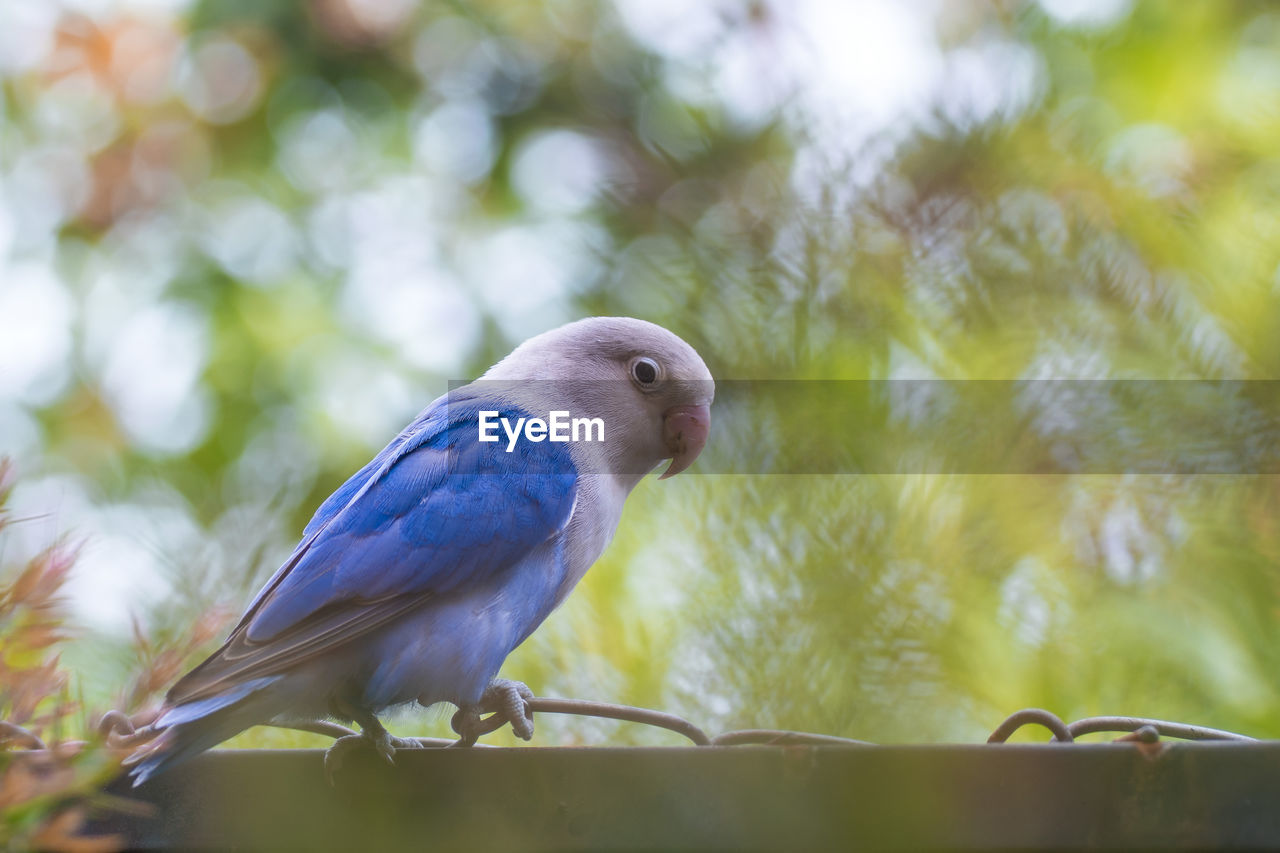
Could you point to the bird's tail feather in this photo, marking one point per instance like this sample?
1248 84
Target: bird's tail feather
191 728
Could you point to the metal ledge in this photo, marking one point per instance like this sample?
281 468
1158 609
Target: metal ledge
1216 795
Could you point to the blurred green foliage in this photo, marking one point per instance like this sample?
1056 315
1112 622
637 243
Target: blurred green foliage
46 795
282 227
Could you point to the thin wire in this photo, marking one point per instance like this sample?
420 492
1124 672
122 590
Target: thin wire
1029 717
1091 725
1094 725
123 732
12 732
627 713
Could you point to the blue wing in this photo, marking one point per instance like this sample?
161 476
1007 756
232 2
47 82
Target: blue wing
437 511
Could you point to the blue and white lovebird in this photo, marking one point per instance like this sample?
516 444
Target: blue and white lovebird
418 577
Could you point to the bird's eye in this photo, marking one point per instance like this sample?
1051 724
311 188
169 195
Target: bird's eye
645 370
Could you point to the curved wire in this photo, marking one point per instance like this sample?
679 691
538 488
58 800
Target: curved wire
121 731
644 716
1149 730
12 732
1183 731
1028 717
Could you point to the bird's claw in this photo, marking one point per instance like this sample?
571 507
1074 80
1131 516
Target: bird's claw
336 755
382 741
507 702
511 701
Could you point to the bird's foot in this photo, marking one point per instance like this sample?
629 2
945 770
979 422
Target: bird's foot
506 702
382 741
510 700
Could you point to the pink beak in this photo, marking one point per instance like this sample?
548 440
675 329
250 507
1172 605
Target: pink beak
684 431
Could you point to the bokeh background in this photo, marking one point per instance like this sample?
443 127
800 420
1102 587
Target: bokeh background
243 241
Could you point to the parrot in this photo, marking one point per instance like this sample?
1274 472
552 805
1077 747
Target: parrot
416 579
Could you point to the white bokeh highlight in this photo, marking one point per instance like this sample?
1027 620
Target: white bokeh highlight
151 374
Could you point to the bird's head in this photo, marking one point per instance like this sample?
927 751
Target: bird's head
651 389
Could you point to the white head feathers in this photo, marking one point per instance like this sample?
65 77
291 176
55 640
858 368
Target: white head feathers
651 389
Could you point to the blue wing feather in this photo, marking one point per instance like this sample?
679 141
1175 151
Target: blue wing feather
435 511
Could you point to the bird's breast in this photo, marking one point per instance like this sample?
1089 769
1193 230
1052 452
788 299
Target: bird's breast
596 512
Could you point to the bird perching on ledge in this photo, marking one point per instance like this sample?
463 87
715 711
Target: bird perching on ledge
418 577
